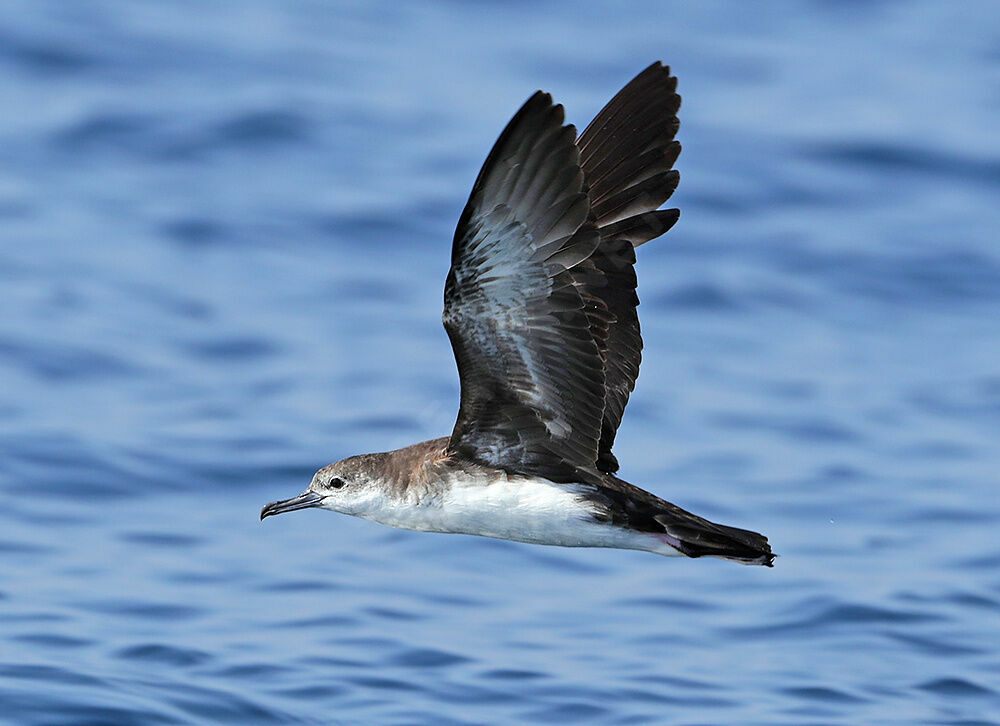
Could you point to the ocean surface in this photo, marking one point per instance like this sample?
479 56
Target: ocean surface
224 231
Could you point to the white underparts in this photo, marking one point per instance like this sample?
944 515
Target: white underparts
515 508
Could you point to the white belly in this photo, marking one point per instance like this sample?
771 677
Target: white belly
520 509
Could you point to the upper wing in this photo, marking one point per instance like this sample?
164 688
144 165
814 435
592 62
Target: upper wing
627 154
526 328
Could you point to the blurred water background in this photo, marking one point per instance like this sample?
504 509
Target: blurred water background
224 230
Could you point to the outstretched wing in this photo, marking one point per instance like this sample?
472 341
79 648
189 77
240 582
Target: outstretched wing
627 154
526 328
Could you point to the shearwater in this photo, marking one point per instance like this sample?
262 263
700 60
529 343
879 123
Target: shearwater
540 307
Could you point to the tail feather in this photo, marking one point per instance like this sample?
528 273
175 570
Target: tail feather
697 537
629 506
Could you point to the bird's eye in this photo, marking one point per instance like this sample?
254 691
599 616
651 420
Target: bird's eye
337 483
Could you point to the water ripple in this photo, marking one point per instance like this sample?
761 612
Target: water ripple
163 654
426 658
956 688
823 695
885 157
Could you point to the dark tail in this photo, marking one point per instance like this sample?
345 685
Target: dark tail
697 537
629 506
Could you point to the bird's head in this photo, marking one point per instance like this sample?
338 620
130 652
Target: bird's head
347 486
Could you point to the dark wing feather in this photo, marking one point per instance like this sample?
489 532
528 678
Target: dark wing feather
627 154
526 331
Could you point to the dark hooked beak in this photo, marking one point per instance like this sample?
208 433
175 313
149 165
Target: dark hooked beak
302 501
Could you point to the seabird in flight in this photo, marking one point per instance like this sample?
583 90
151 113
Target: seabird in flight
540 307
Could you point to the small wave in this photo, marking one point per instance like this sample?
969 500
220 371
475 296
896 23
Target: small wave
164 654
899 158
956 688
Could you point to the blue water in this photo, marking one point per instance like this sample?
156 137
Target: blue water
224 230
